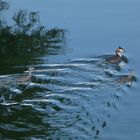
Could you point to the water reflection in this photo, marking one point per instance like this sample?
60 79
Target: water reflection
27 39
66 101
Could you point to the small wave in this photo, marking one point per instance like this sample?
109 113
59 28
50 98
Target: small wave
9 103
77 95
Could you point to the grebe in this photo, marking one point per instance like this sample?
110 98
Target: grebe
27 78
126 78
116 59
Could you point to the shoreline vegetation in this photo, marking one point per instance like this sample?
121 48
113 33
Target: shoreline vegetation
27 37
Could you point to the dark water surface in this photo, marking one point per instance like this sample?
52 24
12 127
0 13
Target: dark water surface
74 94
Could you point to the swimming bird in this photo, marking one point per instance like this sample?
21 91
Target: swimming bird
116 59
126 79
27 78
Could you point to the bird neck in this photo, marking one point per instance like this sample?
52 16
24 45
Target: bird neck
119 54
30 73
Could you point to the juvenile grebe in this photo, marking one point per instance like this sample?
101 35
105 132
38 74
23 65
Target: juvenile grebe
27 78
115 59
126 78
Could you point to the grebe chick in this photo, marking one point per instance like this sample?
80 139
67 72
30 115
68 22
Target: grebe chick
27 78
116 59
126 79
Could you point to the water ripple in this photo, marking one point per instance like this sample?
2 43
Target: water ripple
72 100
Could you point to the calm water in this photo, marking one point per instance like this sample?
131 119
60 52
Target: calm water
74 94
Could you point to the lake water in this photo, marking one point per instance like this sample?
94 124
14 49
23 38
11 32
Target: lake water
74 94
